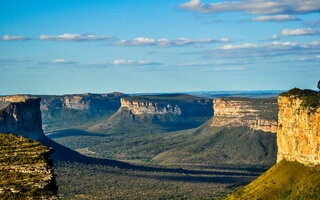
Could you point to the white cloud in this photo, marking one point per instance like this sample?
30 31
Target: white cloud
59 61
8 61
300 31
134 62
272 49
141 41
255 6
275 37
14 38
277 18
74 37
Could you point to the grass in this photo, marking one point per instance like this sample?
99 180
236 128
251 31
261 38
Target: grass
285 180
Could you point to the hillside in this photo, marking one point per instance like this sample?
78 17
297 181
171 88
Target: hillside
78 110
297 172
165 112
25 169
230 145
285 180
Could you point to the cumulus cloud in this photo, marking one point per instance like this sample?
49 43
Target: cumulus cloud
134 62
265 50
275 18
141 41
300 31
255 6
14 38
275 37
74 37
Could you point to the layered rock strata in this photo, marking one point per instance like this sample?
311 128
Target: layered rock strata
258 114
176 104
298 136
21 115
25 169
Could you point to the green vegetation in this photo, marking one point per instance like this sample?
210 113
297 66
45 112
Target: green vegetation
66 118
310 98
206 146
23 171
89 181
285 180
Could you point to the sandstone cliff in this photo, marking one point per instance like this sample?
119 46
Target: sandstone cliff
258 114
298 136
21 115
25 169
81 101
176 104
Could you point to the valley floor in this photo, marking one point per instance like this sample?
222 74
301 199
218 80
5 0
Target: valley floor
94 181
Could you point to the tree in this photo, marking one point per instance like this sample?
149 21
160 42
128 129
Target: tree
319 85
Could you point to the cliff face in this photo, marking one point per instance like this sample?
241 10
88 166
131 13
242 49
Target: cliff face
176 104
139 108
258 114
25 169
298 136
21 115
81 101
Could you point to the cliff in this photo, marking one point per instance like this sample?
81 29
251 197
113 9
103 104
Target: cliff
256 113
21 115
298 136
25 169
81 101
139 108
176 104
78 110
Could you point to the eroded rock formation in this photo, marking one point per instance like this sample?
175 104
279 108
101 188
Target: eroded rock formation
258 114
298 136
21 115
25 169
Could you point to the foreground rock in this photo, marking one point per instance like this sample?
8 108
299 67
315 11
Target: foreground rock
25 169
21 115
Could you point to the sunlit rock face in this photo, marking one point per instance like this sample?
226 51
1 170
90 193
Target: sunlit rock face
176 104
298 133
21 115
139 108
258 114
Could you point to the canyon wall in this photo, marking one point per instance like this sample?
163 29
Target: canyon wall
176 104
81 101
21 115
139 108
258 114
298 136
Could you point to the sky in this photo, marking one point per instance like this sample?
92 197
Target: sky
150 46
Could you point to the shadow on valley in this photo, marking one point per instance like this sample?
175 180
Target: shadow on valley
72 132
65 154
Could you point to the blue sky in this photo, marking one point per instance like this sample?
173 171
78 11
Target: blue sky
77 46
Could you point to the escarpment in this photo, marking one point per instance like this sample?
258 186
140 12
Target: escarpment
298 136
25 169
258 114
21 115
176 104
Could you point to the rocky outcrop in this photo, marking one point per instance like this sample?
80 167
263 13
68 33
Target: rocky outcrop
298 136
21 115
25 168
139 108
258 114
176 104
81 101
